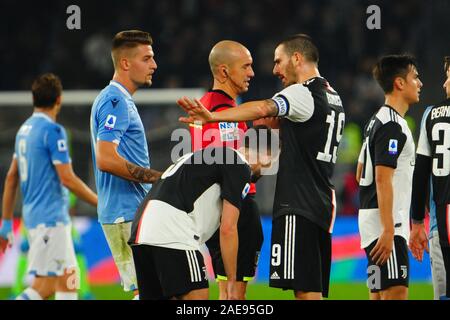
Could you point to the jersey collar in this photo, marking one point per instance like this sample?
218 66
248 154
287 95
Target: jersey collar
221 92
121 88
388 106
42 115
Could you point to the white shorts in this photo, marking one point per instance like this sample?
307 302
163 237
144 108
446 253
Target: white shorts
117 236
437 266
51 250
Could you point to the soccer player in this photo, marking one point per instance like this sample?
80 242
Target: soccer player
42 166
119 147
311 128
385 170
433 159
197 194
231 67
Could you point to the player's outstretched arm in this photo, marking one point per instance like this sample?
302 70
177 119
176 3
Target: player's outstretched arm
8 204
252 110
385 194
109 160
229 246
72 182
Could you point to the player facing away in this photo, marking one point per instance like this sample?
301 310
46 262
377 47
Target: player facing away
433 159
231 67
385 170
311 129
119 147
42 166
199 193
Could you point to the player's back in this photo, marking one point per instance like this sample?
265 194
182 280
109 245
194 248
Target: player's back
179 213
308 154
40 144
437 131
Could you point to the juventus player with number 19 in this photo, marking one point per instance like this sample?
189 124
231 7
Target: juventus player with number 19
433 159
311 128
385 171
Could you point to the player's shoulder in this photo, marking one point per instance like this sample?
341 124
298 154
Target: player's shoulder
55 128
387 116
439 111
110 97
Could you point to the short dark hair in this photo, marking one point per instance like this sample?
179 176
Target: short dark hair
390 67
301 43
446 63
46 89
129 39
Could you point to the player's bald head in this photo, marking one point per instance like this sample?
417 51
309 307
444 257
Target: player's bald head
226 52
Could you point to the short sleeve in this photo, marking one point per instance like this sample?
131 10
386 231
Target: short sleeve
113 119
423 146
295 103
389 141
361 153
235 181
56 141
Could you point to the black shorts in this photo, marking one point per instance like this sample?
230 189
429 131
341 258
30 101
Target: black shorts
163 273
300 255
250 242
395 272
443 224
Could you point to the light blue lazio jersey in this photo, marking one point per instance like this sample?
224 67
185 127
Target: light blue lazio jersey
40 145
115 118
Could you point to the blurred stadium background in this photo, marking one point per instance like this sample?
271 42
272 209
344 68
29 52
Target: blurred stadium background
36 40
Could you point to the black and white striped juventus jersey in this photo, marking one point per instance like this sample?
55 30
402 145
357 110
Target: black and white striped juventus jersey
311 129
183 209
387 142
434 143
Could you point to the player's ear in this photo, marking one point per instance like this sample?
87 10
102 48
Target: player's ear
124 63
399 83
59 100
224 70
297 58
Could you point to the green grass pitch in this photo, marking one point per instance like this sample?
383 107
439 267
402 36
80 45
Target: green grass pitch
258 291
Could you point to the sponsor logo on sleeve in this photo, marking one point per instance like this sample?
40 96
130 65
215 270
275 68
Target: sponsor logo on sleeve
245 190
393 145
110 122
62 145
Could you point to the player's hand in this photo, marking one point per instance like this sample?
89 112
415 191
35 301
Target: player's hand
232 293
418 241
6 234
382 250
196 110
